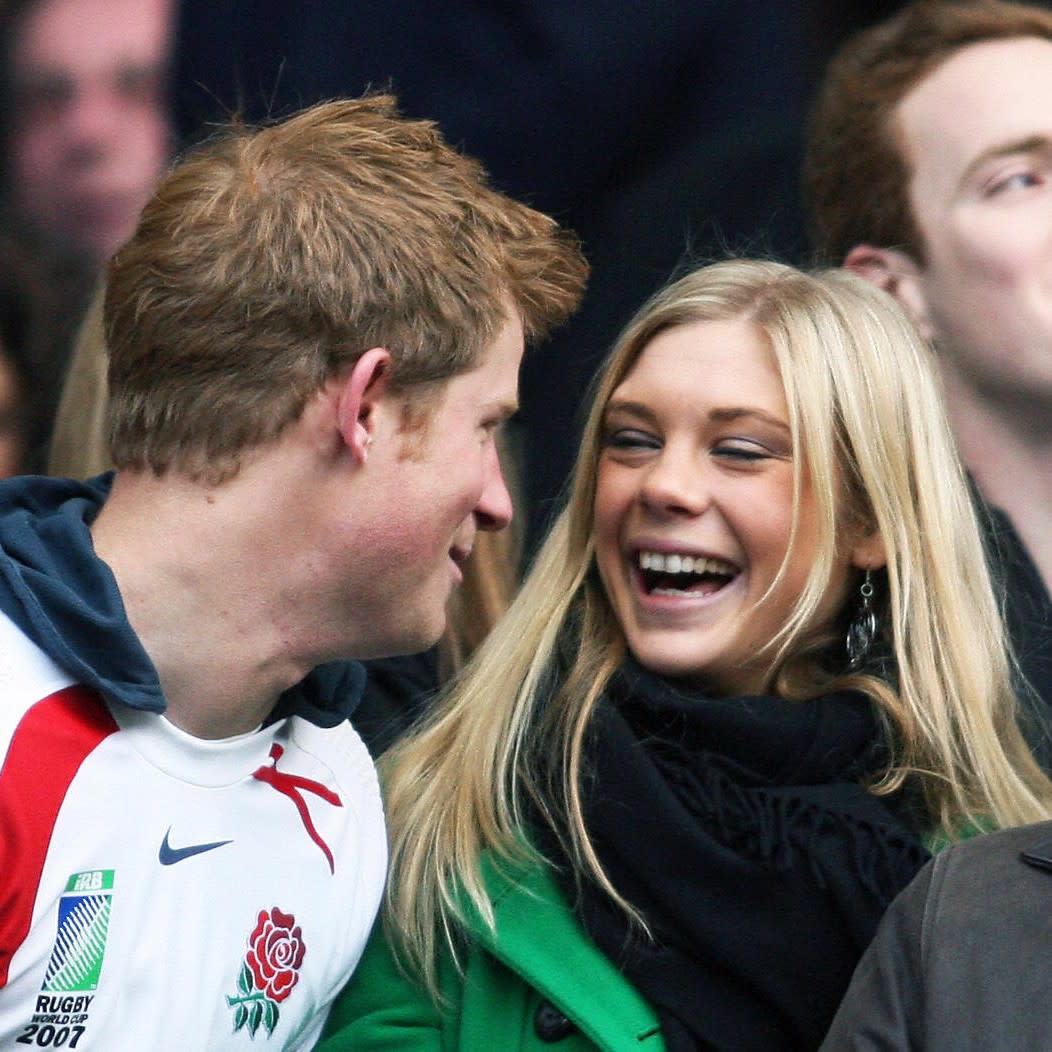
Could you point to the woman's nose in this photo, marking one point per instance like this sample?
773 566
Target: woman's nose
676 483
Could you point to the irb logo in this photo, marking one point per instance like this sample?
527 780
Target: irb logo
83 923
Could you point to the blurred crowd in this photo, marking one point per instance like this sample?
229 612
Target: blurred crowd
657 131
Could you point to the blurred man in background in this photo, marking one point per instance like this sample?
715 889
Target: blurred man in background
88 129
929 172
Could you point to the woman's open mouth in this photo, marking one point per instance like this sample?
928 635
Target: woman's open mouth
673 574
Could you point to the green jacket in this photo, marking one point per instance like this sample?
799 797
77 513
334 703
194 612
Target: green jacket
539 953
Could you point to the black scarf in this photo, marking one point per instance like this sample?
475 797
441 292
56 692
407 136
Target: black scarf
739 829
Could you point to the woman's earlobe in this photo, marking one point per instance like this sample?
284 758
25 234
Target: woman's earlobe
868 552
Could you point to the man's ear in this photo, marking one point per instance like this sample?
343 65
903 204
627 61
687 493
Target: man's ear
896 272
868 552
359 399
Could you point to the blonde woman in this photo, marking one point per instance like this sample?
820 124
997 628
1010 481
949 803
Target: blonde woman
757 667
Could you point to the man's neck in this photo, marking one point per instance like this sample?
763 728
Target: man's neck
1010 457
197 600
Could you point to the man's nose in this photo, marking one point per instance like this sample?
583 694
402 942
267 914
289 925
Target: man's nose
494 510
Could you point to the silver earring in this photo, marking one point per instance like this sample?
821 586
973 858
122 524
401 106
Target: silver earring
864 628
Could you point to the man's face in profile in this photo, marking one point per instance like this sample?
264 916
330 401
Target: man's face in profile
90 133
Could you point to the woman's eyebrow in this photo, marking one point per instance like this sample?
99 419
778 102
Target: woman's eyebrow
731 413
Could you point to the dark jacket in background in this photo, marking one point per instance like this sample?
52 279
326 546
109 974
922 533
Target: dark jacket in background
961 961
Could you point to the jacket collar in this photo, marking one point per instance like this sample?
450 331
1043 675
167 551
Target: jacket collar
1039 854
538 937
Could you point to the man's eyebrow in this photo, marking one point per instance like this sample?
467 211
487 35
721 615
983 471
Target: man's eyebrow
1029 144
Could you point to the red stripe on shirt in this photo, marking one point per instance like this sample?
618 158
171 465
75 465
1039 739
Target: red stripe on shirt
49 745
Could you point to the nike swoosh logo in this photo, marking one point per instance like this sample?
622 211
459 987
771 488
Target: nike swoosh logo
168 855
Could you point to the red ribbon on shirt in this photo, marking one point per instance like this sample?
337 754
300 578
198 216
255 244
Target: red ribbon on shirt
290 785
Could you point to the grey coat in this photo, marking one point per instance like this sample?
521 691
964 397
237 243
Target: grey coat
963 957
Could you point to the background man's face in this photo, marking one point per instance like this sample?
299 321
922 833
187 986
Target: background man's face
90 132
977 134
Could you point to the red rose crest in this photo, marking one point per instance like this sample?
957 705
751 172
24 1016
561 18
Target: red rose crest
275 953
269 972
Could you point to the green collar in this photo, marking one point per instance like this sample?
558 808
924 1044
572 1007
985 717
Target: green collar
538 937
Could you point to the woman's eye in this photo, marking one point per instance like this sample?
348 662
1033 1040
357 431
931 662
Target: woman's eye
742 451
626 438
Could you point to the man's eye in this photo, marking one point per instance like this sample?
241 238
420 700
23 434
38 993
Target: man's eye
140 83
44 97
1014 181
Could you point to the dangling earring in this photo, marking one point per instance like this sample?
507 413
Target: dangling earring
864 628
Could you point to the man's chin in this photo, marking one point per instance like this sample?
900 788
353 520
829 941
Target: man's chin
415 642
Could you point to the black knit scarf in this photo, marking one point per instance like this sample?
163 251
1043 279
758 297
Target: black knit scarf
739 829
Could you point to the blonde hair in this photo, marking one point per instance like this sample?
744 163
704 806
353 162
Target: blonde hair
870 430
79 446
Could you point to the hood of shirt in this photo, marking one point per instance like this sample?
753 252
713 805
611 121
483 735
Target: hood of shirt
65 599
